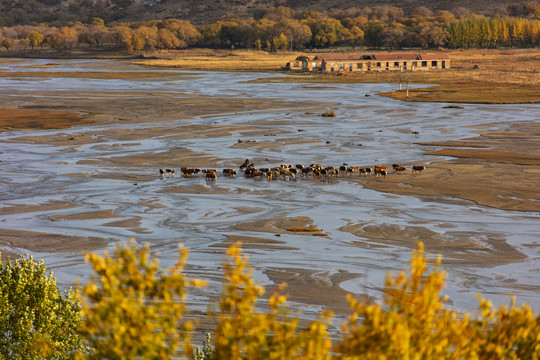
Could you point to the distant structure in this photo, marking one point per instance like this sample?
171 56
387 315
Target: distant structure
370 62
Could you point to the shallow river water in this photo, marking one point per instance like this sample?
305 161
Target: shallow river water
201 215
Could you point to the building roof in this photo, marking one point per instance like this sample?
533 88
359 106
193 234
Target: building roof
397 56
336 57
380 57
434 57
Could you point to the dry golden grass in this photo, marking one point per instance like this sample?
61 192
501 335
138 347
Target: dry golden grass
6 61
502 76
221 60
512 67
304 229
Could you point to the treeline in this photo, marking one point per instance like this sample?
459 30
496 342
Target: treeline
493 32
282 28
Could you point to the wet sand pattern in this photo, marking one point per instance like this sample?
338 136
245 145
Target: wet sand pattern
90 179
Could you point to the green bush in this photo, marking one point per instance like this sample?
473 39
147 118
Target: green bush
37 320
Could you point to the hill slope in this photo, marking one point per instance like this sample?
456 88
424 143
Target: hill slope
202 12
207 11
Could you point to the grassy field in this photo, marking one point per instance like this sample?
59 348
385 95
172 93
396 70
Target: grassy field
221 60
500 76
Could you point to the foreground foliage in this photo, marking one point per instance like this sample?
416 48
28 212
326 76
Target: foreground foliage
243 332
132 309
37 321
412 323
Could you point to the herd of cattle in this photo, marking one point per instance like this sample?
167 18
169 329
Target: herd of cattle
290 172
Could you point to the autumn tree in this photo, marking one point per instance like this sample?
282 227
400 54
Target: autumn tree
167 40
134 310
326 32
7 43
373 34
354 36
123 37
297 33
185 33
95 35
244 332
37 320
34 38
64 39
393 36
145 38
263 31
280 43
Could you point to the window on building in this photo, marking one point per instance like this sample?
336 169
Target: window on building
313 65
331 66
434 63
415 63
378 64
424 63
342 66
396 64
360 65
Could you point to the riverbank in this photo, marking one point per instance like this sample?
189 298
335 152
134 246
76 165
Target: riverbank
477 76
490 76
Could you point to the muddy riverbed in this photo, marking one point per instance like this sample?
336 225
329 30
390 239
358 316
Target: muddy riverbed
66 191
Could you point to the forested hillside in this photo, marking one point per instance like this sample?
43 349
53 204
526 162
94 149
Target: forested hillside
282 28
204 12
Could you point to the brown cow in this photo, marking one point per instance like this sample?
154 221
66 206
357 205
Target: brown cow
229 172
211 176
380 172
418 168
189 172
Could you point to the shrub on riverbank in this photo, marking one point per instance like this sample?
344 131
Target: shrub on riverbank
132 309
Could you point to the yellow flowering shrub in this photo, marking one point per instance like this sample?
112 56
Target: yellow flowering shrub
132 309
412 323
243 332
508 332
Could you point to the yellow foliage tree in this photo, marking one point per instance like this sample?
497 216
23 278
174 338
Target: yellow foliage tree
132 309
244 333
509 332
34 38
412 323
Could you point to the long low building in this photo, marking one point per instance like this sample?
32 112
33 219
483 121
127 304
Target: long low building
371 62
